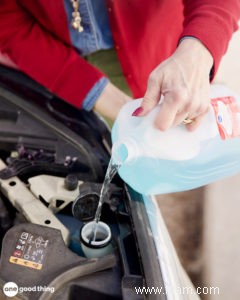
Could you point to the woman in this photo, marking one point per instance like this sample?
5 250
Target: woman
163 46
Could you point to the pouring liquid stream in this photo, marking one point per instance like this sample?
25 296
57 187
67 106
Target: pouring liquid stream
111 171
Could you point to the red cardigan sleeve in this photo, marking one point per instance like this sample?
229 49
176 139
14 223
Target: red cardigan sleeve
212 22
43 57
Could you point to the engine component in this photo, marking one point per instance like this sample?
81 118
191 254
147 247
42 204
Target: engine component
96 239
86 202
31 207
5 221
38 253
71 182
85 205
54 191
34 165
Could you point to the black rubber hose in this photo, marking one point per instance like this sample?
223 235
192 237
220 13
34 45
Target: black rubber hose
90 267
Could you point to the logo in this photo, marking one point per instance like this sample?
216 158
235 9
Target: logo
10 289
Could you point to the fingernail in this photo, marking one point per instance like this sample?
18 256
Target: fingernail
137 112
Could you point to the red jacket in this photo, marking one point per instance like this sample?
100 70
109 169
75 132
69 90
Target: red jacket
35 36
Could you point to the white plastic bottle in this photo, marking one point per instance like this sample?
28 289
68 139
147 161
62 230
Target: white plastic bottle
156 162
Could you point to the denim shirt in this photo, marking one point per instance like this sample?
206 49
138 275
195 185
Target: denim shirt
96 36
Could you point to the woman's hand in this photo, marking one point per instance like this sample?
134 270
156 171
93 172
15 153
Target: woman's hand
183 80
110 101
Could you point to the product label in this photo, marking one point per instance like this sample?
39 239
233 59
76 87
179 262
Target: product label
226 113
29 251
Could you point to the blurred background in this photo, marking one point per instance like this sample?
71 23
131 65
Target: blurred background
221 239
205 223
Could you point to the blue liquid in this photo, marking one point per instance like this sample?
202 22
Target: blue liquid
111 171
151 176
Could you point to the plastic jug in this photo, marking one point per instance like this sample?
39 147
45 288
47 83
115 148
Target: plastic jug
155 162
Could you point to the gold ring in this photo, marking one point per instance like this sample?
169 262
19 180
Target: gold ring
187 121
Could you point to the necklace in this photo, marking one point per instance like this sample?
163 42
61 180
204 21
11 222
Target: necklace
76 19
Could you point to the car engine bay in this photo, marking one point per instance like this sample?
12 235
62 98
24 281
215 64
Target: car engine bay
53 159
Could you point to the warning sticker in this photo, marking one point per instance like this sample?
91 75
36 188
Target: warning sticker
227 116
29 251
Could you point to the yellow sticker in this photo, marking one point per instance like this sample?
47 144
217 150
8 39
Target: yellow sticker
25 263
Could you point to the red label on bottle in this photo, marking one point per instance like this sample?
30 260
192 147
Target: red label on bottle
226 113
